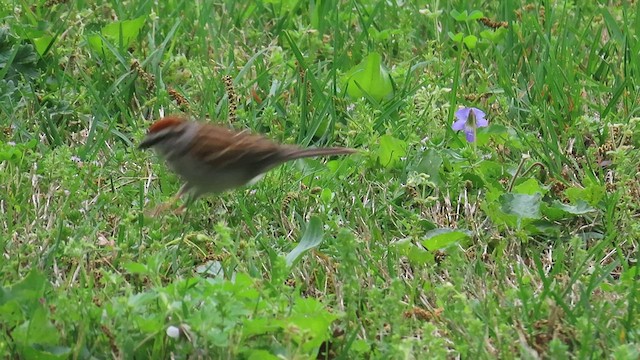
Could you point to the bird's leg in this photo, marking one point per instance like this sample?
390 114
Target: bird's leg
180 210
166 205
193 196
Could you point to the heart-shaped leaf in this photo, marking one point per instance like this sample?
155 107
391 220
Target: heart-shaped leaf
437 239
120 33
475 15
522 205
369 77
470 41
456 37
391 150
459 16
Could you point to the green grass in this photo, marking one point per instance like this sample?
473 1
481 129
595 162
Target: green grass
522 244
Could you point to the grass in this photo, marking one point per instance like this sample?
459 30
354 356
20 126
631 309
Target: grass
522 244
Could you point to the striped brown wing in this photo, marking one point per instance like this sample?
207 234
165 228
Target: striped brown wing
224 148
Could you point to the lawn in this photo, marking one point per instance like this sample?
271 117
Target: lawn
449 234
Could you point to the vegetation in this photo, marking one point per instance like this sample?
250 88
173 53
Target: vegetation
515 240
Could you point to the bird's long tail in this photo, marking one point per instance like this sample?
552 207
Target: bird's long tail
297 153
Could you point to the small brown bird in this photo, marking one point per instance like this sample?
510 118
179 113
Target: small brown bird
213 159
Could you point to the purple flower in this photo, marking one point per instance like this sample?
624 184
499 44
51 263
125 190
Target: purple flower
469 119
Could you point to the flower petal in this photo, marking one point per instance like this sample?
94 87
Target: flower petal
471 135
480 120
478 113
463 114
173 332
459 124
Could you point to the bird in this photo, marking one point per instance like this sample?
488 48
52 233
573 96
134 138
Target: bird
212 159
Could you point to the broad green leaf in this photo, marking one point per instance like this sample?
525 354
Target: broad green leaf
312 238
243 287
470 41
37 330
491 170
415 254
42 43
529 187
465 16
543 227
522 205
284 5
326 195
391 150
150 324
136 268
438 239
46 352
261 355
630 275
96 43
310 324
592 193
140 300
211 268
370 77
459 16
360 346
120 33
580 208
40 38
558 210
124 32
492 206
475 15
456 37
431 164
18 60
32 287
260 326
495 36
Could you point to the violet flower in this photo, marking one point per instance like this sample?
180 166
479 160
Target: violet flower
469 119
